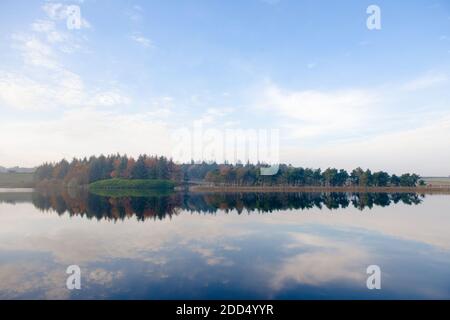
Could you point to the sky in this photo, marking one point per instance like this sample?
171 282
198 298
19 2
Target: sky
140 76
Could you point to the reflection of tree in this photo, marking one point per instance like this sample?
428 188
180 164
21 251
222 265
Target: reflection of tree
159 207
363 200
110 208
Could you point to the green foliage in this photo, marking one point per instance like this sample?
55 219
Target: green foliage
355 176
380 179
131 184
84 171
395 180
366 178
140 170
409 180
120 193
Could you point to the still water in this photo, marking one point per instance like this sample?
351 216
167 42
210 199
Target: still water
214 246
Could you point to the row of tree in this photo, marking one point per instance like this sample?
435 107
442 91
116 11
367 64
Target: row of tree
85 171
288 175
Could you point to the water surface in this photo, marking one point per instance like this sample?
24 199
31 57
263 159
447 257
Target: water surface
213 246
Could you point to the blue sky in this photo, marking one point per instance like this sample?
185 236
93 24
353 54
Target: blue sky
340 94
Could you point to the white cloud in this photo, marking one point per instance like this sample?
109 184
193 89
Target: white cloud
54 10
35 52
135 13
313 266
82 132
425 150
319 112
43 26
214 114
23 93
426 81
63 90
160 113
49 29
45 83
109 99
143 41
46 77
104 277
383 128
211 257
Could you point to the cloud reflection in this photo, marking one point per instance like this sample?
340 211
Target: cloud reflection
225 254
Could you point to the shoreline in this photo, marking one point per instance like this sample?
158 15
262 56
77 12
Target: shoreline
263 189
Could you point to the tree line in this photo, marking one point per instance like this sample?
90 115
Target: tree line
250 175
88 170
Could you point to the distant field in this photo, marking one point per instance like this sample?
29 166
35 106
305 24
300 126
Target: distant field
441 181
16 180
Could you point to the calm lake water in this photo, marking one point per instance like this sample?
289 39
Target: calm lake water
212 246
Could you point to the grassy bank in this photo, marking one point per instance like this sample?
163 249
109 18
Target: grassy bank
131 184
135 193
16 180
